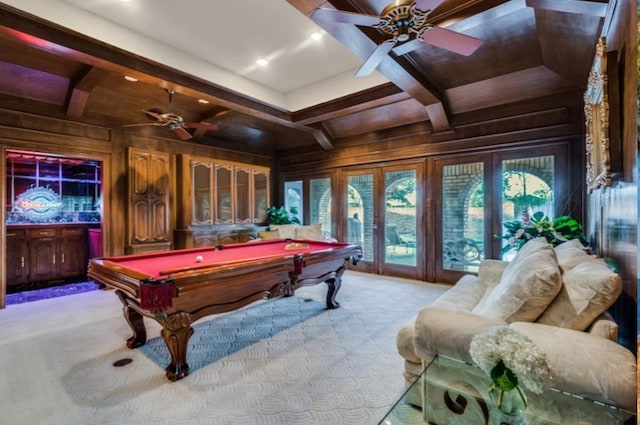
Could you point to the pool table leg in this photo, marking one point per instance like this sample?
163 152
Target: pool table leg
334 285
135 321
176 331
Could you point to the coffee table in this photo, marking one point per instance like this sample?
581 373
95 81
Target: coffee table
454 392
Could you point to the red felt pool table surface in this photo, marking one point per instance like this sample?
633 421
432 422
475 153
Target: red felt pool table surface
158 265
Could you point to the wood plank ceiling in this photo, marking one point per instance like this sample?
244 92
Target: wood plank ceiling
530 49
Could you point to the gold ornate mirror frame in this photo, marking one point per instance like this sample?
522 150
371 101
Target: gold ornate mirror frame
596 111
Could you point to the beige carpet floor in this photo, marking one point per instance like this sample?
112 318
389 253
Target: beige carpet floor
284 361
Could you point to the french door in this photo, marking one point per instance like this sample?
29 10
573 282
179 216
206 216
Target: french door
383 213
476 194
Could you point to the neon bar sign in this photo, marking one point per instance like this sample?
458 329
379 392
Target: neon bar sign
38 204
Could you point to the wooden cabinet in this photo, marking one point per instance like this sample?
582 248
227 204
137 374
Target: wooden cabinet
40 253
219 202
73 248
149 188
17 256
43 258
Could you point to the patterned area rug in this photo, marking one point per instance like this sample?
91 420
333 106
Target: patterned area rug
284 361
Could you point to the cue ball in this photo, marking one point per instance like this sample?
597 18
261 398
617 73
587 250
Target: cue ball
199 259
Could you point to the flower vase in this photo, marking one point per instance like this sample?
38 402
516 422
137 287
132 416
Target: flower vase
510 404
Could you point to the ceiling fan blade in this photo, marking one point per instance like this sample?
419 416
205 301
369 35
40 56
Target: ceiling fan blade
146 124
182 133
409 46
202 125
425 5
375 58
345 17
451 40
153 114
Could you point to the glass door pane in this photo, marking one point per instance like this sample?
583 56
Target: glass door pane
202 193
224 202
462 216
527 187
320 203
400 217
360 213
293 198
261 196
243 195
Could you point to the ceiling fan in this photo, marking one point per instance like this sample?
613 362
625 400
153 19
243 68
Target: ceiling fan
402 19
172 121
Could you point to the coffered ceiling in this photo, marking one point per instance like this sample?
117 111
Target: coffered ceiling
68 59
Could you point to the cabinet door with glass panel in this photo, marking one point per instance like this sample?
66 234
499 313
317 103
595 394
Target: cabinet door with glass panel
228 193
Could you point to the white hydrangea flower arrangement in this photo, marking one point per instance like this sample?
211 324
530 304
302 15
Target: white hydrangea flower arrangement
511 359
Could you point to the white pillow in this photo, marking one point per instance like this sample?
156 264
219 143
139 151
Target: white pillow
571 253
527 286
589 289
312 232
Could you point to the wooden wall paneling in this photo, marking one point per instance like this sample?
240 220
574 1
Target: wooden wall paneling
612 212
184 191
538 122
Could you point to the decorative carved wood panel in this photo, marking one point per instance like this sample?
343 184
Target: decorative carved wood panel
149 188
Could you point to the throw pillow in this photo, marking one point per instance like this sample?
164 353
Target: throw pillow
269 234
527 286
571 253
287 231
312 232
589 289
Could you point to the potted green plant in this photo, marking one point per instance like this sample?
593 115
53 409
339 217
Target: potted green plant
280 215
556 231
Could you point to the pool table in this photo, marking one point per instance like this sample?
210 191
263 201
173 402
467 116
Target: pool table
178 287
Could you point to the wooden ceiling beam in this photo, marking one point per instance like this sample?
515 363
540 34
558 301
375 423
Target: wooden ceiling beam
438 117
210 116
81 89
324 138
353 103
579 7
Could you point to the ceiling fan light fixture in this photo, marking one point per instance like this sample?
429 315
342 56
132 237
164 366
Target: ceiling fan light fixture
401 18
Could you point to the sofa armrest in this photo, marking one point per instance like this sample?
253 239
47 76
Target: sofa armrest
604 326
464 295
490 272
586 364
448 332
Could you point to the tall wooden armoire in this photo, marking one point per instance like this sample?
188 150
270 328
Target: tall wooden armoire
148 190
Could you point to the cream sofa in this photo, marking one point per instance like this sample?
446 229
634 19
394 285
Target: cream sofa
294 231
558 297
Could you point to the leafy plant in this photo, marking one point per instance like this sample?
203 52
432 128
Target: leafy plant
556 231
280 215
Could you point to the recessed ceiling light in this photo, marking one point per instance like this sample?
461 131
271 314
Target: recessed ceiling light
262 62
316 36
205 101
130 78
